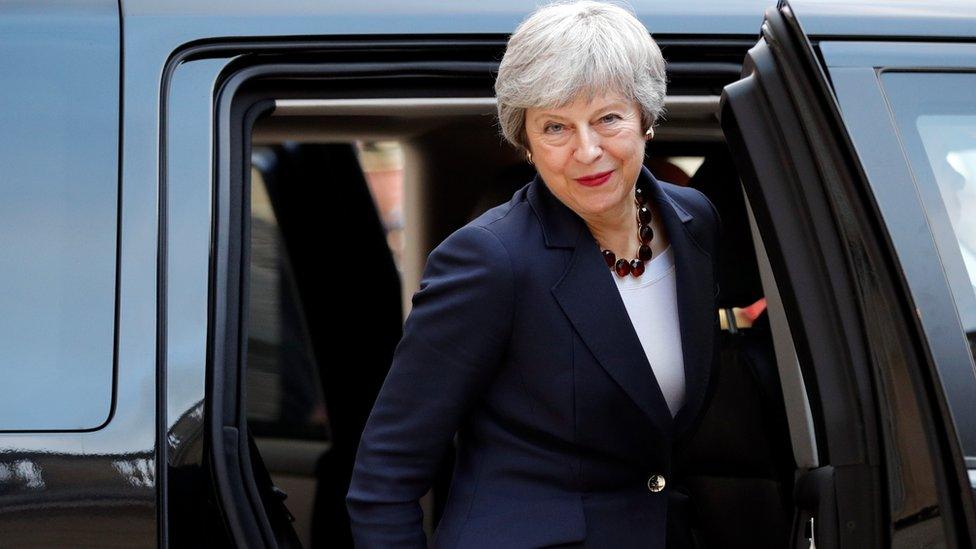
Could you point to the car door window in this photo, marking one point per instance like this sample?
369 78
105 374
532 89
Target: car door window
936 119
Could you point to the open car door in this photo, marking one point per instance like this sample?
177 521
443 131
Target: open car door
887 469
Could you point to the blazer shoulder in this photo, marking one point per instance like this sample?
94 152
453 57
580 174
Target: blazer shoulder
506 219
697 204
468 278
471 246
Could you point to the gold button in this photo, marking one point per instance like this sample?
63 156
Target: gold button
655 483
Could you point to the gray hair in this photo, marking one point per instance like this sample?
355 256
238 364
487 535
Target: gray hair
567 48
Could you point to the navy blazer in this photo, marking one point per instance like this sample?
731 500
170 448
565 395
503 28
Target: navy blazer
520 344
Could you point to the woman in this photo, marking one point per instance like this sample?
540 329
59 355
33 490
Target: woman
567 382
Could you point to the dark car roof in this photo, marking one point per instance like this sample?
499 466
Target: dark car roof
888 18
192 19
345 17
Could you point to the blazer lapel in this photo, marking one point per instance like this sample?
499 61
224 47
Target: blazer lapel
590 299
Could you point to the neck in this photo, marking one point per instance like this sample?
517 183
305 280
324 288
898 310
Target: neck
617 230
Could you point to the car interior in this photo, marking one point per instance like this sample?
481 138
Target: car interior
374 185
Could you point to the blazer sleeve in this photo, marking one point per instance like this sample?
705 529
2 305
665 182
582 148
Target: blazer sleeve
453 340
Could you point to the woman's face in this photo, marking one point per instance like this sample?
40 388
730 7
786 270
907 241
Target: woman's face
585 139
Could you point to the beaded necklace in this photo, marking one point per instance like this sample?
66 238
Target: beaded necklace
635 267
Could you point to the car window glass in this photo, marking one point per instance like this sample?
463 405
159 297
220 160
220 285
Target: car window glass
936 119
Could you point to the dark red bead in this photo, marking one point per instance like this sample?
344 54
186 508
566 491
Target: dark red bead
646 234
644 214
640 195
622 267
644 253
610 257
636 267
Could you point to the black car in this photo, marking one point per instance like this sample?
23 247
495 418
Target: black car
214 216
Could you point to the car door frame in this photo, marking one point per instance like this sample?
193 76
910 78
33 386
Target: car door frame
250 512
850 318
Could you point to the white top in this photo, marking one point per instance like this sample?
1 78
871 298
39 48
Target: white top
652 304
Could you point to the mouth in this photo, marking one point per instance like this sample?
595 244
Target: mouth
595 179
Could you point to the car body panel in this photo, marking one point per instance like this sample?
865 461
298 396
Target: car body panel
59 215
62 488
187 187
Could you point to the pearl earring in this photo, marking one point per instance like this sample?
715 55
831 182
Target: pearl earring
649 132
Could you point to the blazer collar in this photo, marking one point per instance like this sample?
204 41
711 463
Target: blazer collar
589 297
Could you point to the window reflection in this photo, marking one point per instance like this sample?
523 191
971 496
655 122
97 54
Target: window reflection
936 118
950 148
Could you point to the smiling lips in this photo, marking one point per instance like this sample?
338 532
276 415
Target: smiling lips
595 179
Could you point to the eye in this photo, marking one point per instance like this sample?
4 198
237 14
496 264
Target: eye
612 117
554 127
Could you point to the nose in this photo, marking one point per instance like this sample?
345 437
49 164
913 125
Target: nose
588 147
